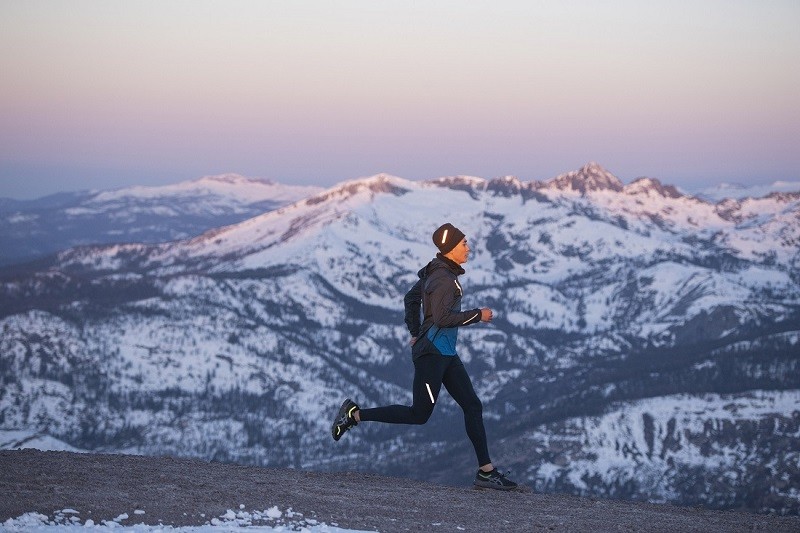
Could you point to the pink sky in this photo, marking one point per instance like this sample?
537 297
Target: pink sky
106 94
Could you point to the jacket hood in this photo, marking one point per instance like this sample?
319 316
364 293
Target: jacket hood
438 262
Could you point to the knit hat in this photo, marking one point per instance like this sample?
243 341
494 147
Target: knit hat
446 237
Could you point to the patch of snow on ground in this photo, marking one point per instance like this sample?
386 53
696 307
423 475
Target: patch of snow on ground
267 521
22 439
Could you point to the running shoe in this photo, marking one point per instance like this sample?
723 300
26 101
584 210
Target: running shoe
345 419
493 480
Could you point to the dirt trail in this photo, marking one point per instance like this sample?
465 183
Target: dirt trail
191 492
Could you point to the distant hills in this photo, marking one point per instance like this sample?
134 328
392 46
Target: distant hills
32 229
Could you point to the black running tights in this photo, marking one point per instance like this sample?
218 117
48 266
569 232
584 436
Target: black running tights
430 373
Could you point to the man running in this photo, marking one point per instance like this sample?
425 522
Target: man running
436 361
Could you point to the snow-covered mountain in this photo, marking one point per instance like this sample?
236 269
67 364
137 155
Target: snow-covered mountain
737 191
35 228
646 343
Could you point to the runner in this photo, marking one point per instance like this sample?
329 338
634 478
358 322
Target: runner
436 361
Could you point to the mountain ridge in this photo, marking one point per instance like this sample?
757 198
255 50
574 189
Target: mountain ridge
191 207
33 229
239 343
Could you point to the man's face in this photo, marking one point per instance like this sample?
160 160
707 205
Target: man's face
460 253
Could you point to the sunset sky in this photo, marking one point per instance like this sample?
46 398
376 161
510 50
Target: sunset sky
105 94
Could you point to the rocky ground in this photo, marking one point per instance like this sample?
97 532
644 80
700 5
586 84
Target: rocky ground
167 490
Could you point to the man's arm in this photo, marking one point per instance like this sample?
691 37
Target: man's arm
443 296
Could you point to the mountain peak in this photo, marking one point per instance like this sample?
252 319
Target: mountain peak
223 185
646 186
379 183
505 186
591 177
457 182
230 179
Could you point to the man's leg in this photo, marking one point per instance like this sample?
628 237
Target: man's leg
458 384
428 371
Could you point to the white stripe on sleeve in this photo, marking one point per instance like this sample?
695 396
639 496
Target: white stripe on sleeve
472 318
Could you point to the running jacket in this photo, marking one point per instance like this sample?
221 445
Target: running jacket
440 294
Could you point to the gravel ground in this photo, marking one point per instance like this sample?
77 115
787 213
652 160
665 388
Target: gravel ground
173 491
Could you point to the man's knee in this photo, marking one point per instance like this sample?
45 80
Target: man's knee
420 415
473 407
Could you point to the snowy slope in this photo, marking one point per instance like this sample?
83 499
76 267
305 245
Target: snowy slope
235 189
32 229
735 191
652 448
239 343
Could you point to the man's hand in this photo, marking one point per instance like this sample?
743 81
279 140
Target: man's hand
413 340
486 314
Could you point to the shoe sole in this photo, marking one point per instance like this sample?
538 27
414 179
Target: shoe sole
492 486
335 433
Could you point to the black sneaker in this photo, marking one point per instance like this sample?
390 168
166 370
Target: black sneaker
344 419
493 480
